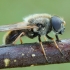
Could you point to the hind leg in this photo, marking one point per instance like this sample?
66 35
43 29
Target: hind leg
21 40
19 37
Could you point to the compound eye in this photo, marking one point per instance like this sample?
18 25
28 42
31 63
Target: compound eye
56 23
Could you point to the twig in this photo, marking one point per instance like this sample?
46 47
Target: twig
31 54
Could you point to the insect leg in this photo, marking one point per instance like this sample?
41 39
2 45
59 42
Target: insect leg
54 42
19 37
21 40
45 38
39 38
57 38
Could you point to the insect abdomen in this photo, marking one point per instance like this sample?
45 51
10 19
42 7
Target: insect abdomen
11 36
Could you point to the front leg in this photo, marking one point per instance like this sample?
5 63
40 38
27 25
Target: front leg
54 42
57 38
49 37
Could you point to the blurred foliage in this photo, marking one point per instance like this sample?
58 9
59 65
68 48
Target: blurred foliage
12 11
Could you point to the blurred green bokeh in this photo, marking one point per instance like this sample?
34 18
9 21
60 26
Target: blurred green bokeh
12 11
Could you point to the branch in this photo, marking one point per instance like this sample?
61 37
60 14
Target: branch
31 54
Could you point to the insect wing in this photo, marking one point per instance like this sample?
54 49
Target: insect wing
17 26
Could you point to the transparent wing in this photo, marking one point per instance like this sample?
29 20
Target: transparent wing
17 26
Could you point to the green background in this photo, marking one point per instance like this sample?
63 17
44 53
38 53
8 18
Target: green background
12 11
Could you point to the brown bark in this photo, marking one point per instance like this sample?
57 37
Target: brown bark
30 54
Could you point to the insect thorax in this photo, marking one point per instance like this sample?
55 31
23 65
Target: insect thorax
43 19
45 22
